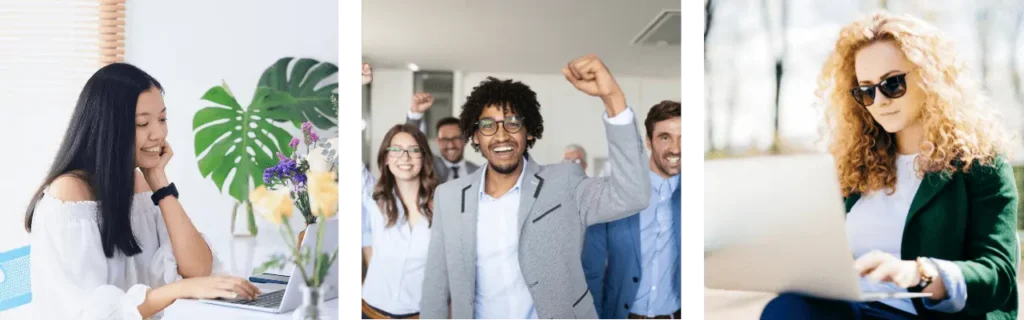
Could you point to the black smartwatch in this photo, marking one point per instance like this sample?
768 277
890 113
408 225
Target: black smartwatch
169 190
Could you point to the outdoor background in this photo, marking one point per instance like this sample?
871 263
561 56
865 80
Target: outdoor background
762 59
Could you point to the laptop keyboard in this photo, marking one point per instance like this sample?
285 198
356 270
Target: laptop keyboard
269 300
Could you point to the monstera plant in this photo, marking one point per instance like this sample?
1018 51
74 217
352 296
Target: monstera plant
240 143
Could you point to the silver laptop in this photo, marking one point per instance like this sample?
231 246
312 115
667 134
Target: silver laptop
289 298
777 224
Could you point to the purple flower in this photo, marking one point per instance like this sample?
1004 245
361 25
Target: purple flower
307 127
280 156
294 143
300 178
267 175
313 136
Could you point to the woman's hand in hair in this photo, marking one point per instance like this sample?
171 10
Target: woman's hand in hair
155 176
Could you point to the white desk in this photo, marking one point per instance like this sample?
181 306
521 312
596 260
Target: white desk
240 256
193 310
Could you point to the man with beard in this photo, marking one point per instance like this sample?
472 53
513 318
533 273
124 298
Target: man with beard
506 241
449 165
632 264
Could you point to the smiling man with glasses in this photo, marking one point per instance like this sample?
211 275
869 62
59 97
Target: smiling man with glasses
506 240
449 165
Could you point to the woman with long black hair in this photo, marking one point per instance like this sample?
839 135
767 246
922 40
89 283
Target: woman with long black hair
109 238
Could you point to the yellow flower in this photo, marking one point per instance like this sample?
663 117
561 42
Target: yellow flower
276 205
323 193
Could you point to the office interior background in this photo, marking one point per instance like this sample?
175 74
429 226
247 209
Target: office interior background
762 59
448 47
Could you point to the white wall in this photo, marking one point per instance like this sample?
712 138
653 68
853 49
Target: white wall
570 116
191 45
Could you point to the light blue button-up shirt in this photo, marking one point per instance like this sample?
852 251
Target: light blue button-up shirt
658 253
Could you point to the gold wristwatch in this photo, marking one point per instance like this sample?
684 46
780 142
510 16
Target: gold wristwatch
927 270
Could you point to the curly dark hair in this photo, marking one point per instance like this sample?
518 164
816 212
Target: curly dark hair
512 97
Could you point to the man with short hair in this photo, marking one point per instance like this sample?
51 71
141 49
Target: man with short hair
575 153
632 264
506 241
449 165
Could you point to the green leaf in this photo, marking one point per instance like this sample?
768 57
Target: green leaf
276 262
225 134
323 265
306 83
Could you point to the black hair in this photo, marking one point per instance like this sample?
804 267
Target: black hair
447 121
511 96
100 141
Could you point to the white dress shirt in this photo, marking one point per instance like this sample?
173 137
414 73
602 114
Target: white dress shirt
73 279
394 278
501 291
451 173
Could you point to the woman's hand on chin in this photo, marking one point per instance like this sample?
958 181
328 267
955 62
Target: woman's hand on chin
155 176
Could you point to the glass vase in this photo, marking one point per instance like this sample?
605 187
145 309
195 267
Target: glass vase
312 307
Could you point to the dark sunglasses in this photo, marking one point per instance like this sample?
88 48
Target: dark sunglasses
892 87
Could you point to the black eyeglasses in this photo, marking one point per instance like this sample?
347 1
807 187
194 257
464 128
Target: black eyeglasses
489 126
449 140
892 87
396 152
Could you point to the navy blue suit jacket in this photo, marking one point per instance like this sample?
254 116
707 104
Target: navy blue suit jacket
611 262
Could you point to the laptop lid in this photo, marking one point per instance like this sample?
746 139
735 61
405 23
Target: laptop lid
329 243
777 224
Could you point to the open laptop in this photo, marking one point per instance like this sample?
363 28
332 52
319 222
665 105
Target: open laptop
289 298
777 224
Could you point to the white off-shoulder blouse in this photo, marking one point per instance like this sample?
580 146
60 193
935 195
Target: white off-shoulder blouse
73 279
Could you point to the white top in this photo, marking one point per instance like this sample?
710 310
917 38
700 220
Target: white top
876 222
72 279
501 291
394 278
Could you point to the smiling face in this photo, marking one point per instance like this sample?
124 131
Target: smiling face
503 150
664 143
881 60
405 160
150 128
450 143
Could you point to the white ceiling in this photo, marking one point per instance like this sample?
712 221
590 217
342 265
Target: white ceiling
529 36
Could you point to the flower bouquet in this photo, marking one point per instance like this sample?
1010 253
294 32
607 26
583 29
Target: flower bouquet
290 186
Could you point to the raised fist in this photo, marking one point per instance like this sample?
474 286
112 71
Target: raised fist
421 102
589 75
366 74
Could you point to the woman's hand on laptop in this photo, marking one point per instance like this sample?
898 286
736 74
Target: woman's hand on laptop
880 266
213 287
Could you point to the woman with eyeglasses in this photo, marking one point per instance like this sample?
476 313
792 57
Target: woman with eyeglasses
396 229
931 200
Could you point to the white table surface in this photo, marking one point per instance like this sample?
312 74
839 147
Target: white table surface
240 256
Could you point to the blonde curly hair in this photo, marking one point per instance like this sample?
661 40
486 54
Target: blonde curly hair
959 130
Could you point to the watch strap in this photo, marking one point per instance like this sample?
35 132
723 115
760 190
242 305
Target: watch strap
169 190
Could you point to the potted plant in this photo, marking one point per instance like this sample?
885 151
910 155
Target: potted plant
244 141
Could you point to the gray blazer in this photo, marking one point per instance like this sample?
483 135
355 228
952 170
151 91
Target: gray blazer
558 203
440 169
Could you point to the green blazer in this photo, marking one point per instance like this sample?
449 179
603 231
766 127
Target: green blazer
969 219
